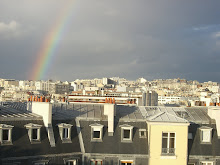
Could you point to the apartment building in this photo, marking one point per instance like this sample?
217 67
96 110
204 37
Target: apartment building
108 134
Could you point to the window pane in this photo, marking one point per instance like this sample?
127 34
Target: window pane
65 133
165 134
172 141
142 133
127 134
122 163
172 134
164 143
34 134
206 136
96 134
5 134
128 163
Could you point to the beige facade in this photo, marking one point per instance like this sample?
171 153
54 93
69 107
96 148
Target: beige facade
167 133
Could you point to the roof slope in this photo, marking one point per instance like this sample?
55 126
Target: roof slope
113 144
166 117
23 147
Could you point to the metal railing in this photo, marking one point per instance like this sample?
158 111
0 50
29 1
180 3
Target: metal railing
168 151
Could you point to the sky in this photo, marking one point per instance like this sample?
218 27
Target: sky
154 39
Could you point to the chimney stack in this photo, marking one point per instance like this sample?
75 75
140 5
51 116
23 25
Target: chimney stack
109 110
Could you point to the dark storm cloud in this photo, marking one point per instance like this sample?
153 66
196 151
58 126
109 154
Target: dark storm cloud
131 39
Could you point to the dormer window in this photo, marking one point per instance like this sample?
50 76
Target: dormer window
126 133
142 133
96 132
5 134
70 162
205 134
33 132
65 132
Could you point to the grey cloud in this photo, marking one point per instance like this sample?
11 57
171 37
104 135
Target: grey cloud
131 39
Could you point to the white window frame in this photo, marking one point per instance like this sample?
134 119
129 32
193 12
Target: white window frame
9 128
145 133
208 131
168 144
67 162
30 128
96 127
67 138
127 161
206 162
126 127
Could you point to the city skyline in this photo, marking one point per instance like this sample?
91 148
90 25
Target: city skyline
106 39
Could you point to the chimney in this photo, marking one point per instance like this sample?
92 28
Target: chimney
43 109
109 110
214 113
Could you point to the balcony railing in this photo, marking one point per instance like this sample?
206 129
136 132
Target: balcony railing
168 151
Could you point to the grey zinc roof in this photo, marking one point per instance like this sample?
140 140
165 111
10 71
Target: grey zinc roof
113 144
166 117
191 114
127 113
94 111
15 105
8 113
69 111
23 147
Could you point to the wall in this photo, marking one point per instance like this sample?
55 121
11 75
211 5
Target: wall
45 110
155 144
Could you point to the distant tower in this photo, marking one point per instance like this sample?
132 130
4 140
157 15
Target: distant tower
150 98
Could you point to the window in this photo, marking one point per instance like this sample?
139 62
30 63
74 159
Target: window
5 134
206 163
70 162
41 162
126 162
95 162
168 143
65 132
33 132
126 133
205 134
96 132
142 133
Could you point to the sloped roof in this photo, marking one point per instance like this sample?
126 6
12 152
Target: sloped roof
113 144
191 114
166 117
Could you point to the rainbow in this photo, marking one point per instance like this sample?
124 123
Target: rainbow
50 43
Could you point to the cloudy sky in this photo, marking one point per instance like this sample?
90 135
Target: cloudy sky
106 38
